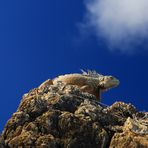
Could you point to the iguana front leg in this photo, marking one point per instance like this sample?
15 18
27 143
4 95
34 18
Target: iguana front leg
91 90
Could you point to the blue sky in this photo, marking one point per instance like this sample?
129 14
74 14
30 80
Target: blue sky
43 39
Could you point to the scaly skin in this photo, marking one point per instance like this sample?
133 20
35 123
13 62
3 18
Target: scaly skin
90 82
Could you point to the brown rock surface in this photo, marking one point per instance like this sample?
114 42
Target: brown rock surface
61 116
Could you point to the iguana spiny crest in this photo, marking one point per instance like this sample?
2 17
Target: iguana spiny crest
104 82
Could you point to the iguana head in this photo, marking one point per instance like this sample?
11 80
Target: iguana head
107 82
104 82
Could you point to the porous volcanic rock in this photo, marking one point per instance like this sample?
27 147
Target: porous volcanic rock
62 116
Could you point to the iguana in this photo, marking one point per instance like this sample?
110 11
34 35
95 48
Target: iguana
90 82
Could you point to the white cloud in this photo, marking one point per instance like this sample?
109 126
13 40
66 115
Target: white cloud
122 23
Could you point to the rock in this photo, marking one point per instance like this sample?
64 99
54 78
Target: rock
46 84
134 134
2 142
62 116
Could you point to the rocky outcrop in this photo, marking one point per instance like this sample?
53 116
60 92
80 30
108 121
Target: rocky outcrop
62 116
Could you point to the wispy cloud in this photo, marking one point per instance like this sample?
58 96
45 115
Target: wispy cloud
122 23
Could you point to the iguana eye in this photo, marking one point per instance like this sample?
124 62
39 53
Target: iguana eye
111 77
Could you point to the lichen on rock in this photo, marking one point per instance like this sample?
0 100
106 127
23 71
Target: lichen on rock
62 116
